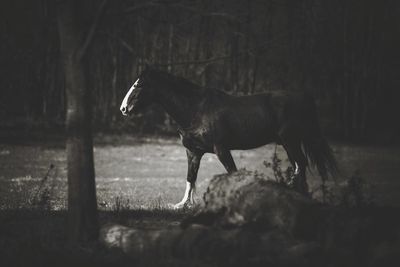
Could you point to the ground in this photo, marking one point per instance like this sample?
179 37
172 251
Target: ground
151 172
136 179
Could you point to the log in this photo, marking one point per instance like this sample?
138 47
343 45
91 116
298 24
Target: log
236 201
210 244
249 220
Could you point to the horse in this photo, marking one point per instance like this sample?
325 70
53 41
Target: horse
212 121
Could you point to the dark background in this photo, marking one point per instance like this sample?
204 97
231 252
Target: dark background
53 201
345 52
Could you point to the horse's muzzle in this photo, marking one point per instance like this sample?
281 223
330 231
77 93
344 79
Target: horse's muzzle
124 111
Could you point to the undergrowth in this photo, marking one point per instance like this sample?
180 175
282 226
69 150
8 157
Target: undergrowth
352 191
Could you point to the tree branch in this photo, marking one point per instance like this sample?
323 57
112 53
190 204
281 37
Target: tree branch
194 10
218 58
204 61
82 51
210 14
139 6
122 41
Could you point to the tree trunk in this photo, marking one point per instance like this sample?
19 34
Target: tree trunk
82 204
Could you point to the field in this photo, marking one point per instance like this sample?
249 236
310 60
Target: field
137 179
150 172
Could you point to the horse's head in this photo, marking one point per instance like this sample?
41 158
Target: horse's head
139 95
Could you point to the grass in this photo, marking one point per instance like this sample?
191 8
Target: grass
136 180
148 171
33 237
36 236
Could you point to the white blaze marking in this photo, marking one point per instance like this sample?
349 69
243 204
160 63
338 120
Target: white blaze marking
126 98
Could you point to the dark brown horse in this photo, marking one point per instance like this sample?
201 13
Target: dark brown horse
211 121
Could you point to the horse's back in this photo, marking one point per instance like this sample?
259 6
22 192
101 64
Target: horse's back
244 122
274 105
241 122
292 106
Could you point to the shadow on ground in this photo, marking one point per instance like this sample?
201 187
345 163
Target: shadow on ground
246 221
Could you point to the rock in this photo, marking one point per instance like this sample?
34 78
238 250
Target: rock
246 198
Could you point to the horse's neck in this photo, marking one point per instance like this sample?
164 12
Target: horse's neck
181 107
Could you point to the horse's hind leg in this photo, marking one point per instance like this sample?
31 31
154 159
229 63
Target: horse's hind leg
225 156
298 160
299 181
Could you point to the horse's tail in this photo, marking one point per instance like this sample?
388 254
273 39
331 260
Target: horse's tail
316 147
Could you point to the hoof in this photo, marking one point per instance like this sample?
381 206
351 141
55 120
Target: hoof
301 187
177 206
180 205
292 182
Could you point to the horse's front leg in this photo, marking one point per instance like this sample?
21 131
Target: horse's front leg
193 167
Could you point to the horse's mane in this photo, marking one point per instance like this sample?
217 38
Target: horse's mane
182 85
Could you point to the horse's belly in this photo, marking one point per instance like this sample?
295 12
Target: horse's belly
249 129
251 138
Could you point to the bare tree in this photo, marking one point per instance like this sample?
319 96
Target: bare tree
74 41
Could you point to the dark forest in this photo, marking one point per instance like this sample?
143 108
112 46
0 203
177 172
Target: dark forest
344 52
276 120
